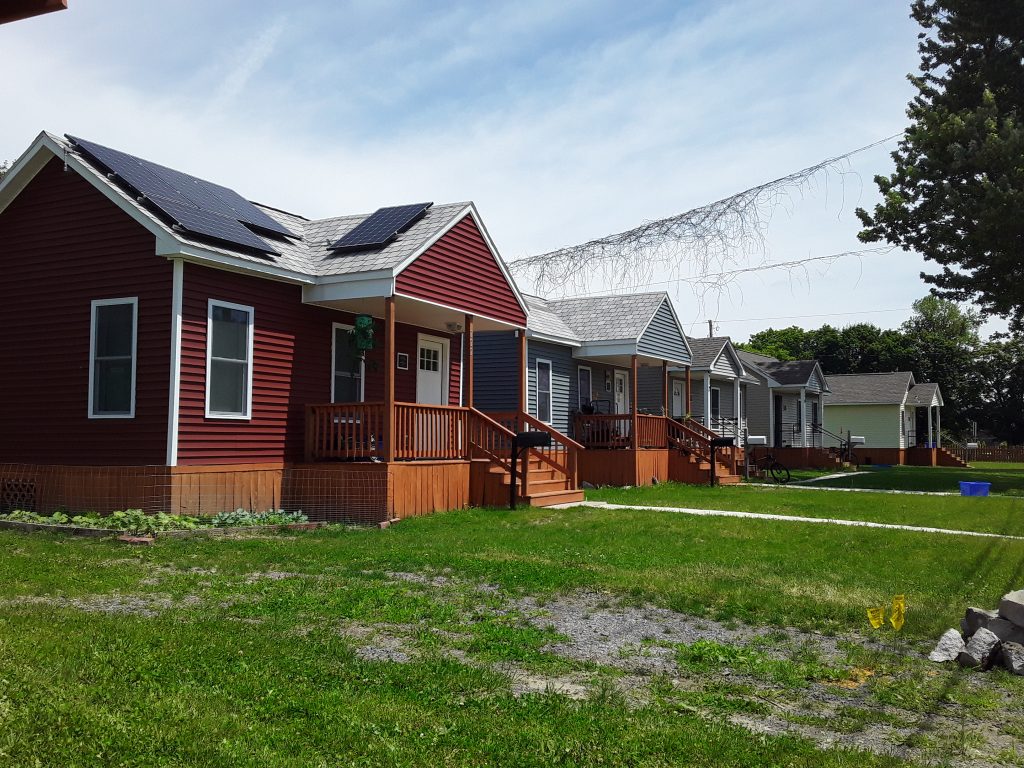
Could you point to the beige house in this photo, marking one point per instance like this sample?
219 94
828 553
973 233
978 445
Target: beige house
882 408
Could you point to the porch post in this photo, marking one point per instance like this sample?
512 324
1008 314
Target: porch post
938 426
689 403
707 400
524 397
467 364
930 426
634 391
736 407
803 417
390 438
666 396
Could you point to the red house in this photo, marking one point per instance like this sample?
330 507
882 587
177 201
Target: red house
168 345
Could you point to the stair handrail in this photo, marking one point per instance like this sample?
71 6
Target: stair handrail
489 424
695 426
571 467
690 439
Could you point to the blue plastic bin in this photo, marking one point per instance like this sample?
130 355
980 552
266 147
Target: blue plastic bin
974 489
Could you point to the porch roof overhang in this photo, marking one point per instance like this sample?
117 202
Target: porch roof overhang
412 311
618 352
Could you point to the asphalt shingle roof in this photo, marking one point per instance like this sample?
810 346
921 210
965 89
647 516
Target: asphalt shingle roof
869 388
601 318
922 394
706 350
544 320
790 372
311 254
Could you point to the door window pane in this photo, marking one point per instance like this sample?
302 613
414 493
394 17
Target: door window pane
230 342
113 363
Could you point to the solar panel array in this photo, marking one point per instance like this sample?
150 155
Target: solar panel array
197 206
381 227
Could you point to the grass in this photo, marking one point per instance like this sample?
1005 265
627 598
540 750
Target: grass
246 662
1005 478
997 514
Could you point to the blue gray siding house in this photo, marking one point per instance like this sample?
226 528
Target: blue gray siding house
589 344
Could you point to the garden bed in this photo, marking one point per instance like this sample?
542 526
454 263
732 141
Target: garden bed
135 523
75 530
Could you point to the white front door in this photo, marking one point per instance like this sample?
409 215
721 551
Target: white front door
621 392
678 393
431 372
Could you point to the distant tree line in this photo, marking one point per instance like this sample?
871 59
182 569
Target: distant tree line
981 380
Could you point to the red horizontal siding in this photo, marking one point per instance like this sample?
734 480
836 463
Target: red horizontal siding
460 271
292 356
63 244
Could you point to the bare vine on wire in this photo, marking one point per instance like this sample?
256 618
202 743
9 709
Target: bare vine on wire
709 246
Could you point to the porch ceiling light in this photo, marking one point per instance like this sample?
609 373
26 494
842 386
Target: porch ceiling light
454 327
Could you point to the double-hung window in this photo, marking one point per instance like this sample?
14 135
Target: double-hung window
544 391
229 360
112 358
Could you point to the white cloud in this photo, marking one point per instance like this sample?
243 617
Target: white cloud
559 129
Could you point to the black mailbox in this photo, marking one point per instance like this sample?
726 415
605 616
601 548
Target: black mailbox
533 440
716 443
521 443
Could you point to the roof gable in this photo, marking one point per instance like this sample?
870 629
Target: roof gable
461 268
870 388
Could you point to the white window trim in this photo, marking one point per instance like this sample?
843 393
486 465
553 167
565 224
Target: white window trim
334 360
210 304
579 390
134 301
551 386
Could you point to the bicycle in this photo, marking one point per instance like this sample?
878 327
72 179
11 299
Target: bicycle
778 471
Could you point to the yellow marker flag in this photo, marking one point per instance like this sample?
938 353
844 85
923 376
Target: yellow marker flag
899 612
876 616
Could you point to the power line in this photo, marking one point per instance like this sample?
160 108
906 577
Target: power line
788 265
802 317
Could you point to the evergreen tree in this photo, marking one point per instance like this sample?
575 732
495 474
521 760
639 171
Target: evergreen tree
957 193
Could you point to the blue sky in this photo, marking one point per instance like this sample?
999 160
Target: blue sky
562 121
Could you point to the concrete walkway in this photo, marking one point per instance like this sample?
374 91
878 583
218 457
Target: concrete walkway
794 487
789 518
827 477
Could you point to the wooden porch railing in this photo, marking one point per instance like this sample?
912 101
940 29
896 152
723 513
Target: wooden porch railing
344 431
430 431
651 431
561 455
490 439
603 430
684 437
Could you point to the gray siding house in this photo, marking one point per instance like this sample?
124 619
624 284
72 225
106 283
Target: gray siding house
582 353
788 407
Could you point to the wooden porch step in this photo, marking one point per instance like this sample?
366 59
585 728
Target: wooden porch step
728 479
549 498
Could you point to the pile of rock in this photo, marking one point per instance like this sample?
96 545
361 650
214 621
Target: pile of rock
987 638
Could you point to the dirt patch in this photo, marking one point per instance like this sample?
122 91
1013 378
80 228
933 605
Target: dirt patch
147 606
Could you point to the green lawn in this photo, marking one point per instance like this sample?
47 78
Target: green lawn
995 514
244 662
1005 478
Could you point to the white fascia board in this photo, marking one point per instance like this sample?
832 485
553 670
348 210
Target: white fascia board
462 310
551 339
356 287
605 348
25 168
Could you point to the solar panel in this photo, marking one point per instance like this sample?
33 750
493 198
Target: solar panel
381 227
210 224
180 195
